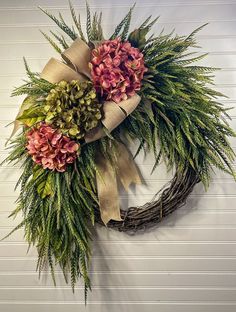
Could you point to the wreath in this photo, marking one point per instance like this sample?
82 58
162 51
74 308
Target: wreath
78 118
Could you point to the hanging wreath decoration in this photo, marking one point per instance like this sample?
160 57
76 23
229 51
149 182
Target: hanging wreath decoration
78 118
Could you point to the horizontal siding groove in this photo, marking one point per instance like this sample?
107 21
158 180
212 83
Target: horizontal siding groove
8 167
137 242
218 52
117 272
184 211
18 167
216 36
114 242
21 59
44 58
144 242
225 85
141 257
199 195
152 180
217 181
162 227
228 70
122 302
46 44
139 272
199 36
162 22
118 287
162 272
116 5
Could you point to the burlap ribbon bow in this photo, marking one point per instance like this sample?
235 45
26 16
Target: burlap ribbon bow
76 67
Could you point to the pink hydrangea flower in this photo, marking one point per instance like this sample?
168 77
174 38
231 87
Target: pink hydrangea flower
50 148
117 69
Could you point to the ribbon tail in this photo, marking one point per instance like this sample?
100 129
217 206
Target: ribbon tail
107 191
127 170
107 186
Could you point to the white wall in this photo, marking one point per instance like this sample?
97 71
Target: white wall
188 264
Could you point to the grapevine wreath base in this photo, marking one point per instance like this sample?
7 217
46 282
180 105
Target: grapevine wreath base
77 120
172 197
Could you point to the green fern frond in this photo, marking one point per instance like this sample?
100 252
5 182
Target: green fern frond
53 43
77 22
100 31
88 23
193 33
61 24
122 23
125 31
144 24
61 40
149 26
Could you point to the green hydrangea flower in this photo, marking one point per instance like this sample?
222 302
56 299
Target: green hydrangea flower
73 108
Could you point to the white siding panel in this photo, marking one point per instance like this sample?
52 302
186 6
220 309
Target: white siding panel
176 234
135 249
114 294
129 279
188 262
127 306
133 264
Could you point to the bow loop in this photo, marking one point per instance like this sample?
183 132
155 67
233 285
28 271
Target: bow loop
55 71
79 56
